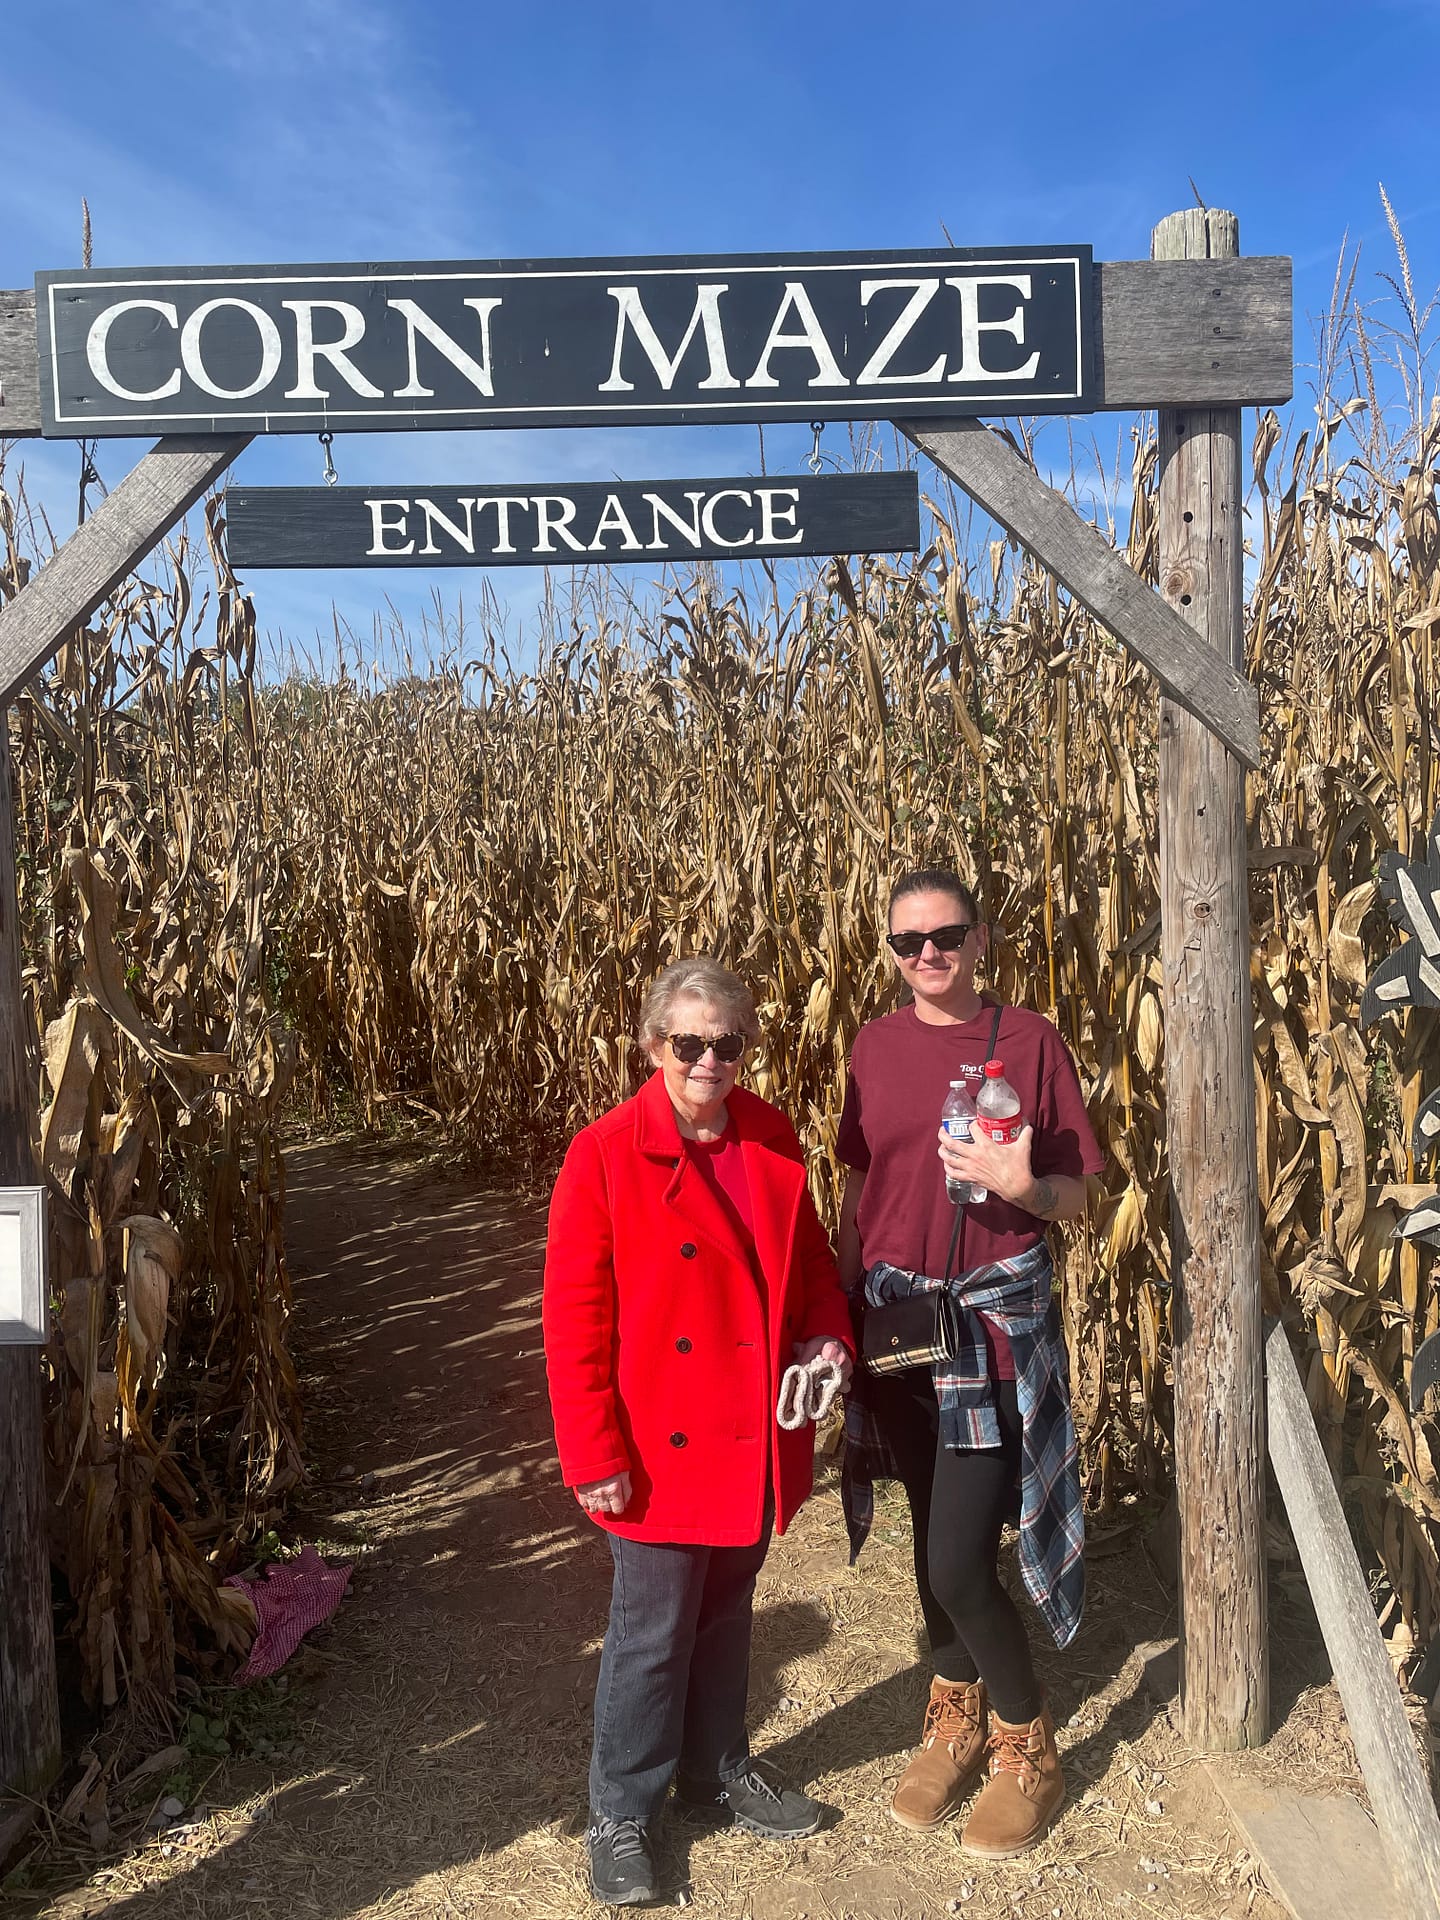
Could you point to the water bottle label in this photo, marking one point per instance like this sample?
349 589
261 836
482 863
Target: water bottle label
958 1129
1005 1132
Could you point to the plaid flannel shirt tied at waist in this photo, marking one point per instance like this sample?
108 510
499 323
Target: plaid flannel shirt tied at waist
1015 1296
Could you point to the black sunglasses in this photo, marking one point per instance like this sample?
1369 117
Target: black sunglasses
689 1048
910 946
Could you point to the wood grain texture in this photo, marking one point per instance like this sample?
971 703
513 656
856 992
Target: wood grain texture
1193 333
1210 1085
1384 1742
29 1703
1321 1854
1013 494
116 537
19 366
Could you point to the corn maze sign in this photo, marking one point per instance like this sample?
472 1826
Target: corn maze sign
655 341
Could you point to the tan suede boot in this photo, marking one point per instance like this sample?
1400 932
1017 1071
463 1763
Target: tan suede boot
952 1746
1023 1795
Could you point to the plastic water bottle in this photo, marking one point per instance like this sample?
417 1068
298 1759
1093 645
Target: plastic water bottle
997 1106
957 1116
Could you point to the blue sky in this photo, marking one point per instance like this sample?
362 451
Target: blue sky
347 130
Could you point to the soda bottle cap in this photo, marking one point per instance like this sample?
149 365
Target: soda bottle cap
994 1069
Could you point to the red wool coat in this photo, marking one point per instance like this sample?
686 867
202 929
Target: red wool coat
664 1354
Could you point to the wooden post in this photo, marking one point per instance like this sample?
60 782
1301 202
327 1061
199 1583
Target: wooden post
1210 1079
29 1703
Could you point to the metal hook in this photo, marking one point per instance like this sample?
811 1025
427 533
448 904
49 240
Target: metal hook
327 440
813 461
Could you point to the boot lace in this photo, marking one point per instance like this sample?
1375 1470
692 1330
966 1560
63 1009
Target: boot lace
625 1838
952 1716
1016 1750
753 1778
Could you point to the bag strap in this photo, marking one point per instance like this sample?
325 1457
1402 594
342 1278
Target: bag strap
957 1230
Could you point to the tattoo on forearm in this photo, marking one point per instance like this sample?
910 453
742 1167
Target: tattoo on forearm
1046 1200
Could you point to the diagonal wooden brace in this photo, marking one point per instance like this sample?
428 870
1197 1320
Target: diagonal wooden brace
1012 493
98 555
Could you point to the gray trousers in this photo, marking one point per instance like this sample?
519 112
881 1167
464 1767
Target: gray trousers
674 1672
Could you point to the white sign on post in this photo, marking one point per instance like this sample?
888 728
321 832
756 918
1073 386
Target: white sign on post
23 1305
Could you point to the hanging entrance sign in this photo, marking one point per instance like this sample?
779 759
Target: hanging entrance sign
566 342
517 526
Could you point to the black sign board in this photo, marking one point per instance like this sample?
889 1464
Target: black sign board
526 526
817 336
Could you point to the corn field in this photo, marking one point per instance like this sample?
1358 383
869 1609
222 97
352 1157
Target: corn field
442 894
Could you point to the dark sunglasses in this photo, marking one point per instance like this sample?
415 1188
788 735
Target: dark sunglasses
910 946
689 1048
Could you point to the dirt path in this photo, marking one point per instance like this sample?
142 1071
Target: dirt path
429 1747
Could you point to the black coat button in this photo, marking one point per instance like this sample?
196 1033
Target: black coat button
678 1440
682 1345
688 1251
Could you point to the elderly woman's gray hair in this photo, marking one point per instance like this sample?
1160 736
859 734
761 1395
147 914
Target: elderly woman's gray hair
699 978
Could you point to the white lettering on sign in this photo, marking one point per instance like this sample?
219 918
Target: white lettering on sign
97 349
706 315
689 531
556 521
614 519
811 337
972 366
502 504
707 518
380 526
308 350
193 361
464 537
770 513
873 373
418 322
728 517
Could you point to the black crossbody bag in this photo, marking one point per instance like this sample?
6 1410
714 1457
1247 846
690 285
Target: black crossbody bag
924 1327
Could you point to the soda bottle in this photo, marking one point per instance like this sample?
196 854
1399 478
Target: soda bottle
957 1116
997 1106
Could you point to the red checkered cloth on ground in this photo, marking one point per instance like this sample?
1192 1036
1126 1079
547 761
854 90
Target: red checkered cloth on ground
290 1598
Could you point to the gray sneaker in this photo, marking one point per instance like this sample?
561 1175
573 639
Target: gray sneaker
749 1800
622 1872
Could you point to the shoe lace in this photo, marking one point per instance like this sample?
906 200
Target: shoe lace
1016 1750
757 1783
952 1715
625 1838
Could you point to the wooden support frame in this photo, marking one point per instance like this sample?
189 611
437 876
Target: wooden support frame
1384 1743
1011 492
1210 1080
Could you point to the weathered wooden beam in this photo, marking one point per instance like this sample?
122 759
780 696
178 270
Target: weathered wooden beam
29 1701
1177 333
1193 333
1384 1743
117 536
19 366
1210 1081
1011 492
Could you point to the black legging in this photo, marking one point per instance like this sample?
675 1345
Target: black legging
959 1502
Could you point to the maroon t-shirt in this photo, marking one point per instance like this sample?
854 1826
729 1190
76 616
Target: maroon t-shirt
900 1072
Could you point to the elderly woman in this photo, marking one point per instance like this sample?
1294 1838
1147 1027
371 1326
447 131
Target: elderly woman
685 1271
972 1434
